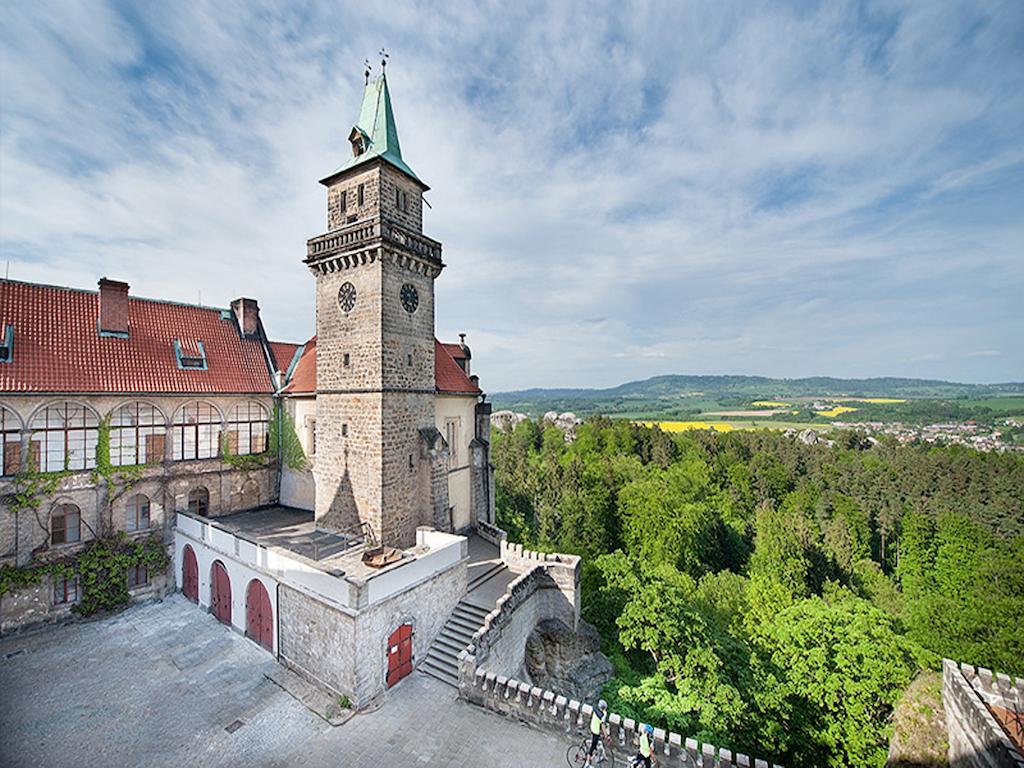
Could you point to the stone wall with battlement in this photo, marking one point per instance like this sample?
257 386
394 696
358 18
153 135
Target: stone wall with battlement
976 739
560 715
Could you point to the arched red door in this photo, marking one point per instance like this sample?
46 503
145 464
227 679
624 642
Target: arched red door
259 618
220 593
399 654
190 575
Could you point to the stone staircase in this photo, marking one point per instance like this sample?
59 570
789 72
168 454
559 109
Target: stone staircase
442 660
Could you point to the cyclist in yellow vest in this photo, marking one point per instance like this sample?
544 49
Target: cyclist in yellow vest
646 753
598 728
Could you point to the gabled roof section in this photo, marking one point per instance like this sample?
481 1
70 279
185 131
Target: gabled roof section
376 124
449 378
57 348
284 354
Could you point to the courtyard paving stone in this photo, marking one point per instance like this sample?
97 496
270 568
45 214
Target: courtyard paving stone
158 684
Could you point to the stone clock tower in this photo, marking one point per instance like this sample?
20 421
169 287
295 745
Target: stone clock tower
379 467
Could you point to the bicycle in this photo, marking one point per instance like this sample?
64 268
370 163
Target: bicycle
576 755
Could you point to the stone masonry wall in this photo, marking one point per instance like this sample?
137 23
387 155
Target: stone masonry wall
569 718
25 536
976 740
347 652
317 641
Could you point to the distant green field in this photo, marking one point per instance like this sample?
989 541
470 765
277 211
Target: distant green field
1006 406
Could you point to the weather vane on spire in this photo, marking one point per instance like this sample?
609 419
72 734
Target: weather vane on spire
366 74
384 56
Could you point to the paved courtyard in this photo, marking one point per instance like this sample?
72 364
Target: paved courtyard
158 685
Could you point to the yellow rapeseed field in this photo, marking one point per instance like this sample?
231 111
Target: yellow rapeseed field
831 414
682 426
883 400
769 403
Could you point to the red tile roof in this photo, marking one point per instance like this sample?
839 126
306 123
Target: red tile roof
455 350
303 378
284 353
448 375
57 347
449 378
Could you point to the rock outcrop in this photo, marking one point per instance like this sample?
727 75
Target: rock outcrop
570 663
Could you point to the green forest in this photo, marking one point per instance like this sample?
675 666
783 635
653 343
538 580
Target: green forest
768 596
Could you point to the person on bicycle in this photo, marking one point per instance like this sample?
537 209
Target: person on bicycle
598 728
646 753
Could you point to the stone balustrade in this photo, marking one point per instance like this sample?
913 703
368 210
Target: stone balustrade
356 234
566 717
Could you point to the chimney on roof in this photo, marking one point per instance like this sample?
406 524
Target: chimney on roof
466 354
113 319
247 312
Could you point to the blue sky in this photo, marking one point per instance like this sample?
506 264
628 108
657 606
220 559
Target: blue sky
765 188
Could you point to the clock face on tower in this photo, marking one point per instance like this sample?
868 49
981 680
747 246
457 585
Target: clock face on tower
410 298
347 296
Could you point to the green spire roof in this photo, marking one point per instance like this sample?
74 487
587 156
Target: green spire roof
376 128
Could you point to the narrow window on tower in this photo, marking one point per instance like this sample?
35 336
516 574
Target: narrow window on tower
343 200
344 430
410 461
345 359
361 195
398 198
405 202
409 359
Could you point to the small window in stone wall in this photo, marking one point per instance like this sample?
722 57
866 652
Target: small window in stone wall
10 442
136 516
344 430
361 195
343 200
345 359
66 525
138 576
65 591
199 502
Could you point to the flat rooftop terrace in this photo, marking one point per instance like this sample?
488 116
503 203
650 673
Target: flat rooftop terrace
295 531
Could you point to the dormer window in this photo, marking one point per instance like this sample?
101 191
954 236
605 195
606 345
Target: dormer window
6 342
190 354
358 141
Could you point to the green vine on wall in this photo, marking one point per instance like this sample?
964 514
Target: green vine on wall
102 570
121 477
285 440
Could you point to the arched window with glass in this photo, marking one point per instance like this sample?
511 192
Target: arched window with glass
136 513
10 441
248 428
137 435
65 524
64 436
196 432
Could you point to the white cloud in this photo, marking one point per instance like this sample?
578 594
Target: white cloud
740 188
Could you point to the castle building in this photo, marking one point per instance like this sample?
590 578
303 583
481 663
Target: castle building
123 414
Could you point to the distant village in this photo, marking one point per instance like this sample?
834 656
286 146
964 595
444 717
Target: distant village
966 433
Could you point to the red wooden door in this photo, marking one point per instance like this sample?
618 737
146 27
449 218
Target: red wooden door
259 618
190 575
220 593
399 654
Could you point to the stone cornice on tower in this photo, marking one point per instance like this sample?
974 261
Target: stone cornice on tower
363 242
